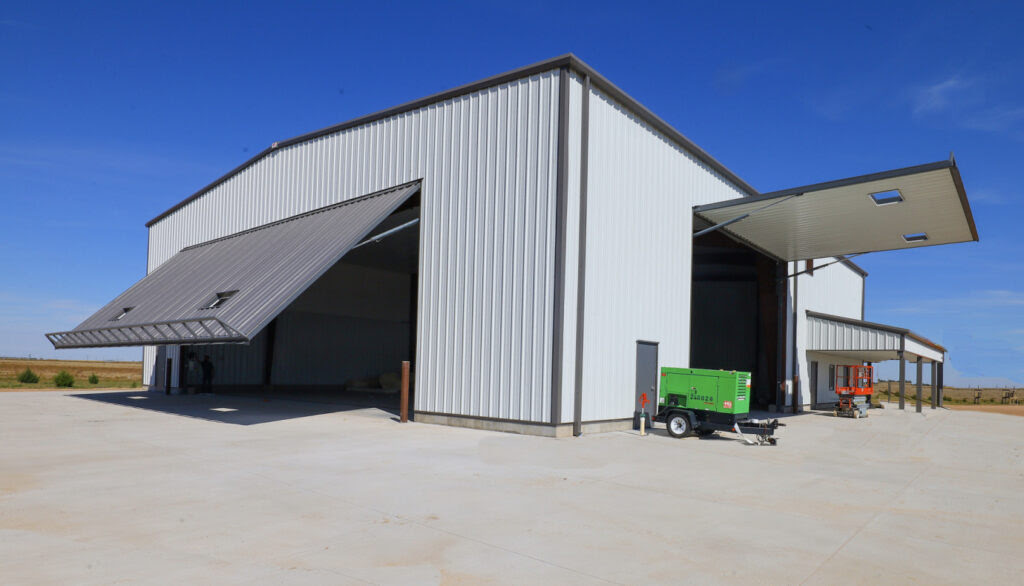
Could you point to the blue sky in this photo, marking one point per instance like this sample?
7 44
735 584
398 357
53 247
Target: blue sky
110 113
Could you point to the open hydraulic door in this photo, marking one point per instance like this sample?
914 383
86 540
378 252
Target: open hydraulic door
227 290
904 208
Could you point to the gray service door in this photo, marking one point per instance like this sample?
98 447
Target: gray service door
647 376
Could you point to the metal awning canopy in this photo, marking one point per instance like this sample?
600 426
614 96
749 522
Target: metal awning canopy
842 218
866 341
256 274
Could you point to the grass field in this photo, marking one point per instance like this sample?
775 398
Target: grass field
111 375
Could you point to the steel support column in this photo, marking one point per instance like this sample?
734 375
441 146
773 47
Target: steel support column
797 400
903 377
920 372
781 291
935 386
940 384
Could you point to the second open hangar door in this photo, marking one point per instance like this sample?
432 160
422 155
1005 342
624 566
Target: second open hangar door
734 321
745 253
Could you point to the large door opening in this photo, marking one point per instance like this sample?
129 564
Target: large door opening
734 323
344 338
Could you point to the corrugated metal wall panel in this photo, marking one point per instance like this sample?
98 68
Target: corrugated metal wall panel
320 349
641 192
836 289
242 364
825 335
487 161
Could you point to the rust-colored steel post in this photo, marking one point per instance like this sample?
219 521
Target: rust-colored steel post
405 392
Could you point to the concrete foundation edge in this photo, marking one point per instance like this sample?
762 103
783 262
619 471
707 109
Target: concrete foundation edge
522 427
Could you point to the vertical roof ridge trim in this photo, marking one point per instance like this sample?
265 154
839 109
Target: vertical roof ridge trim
568 60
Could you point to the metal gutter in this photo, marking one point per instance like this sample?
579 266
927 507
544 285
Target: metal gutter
568 60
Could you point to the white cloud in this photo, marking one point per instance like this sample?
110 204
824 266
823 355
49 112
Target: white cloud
940 96
975 300
981 104
990 197
995 119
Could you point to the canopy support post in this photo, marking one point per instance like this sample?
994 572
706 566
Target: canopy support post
903 377
940 384
780 364
935 386
920 371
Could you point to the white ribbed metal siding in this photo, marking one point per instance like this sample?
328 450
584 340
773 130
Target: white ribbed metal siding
837 290
487 161
243 364
641 192
825 335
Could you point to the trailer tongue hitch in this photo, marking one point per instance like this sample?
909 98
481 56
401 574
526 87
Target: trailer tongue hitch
736 430
761 428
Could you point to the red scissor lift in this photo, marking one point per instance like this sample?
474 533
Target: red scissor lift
854 385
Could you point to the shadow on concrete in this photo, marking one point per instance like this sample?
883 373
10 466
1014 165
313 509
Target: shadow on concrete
223 408
384 400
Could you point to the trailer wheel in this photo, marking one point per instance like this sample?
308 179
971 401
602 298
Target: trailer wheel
678 425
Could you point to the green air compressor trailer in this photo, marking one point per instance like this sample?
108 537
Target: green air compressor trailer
699 401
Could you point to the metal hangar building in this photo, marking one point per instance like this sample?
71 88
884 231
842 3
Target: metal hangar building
538 243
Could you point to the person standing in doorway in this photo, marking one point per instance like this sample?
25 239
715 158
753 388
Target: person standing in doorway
207 367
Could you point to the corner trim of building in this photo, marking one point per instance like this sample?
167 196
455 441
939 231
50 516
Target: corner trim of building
581 259
561 204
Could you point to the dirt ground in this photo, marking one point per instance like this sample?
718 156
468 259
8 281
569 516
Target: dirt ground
1017 410
989 396
110 374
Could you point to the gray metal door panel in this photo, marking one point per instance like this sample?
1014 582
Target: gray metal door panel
647 375
813 367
